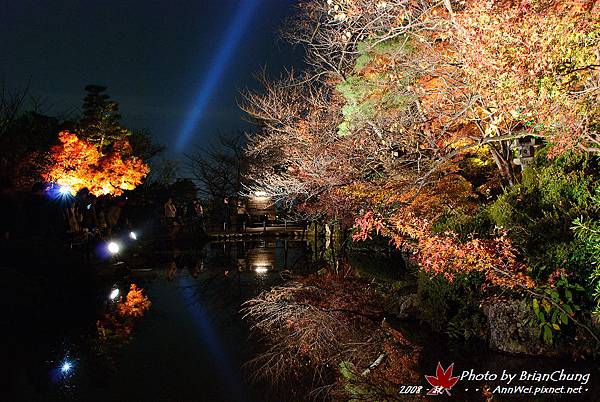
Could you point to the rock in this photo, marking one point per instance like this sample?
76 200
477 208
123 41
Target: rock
404 306
508 330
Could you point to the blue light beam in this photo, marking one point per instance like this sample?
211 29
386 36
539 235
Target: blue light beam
236 29
209 335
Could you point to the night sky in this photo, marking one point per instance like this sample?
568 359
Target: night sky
154 57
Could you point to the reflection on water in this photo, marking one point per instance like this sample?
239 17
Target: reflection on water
190 345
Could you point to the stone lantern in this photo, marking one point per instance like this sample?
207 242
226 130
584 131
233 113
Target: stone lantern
525 148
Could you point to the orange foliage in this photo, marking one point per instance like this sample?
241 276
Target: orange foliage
405 215
78 164
535 63
402 211
135 304
495 258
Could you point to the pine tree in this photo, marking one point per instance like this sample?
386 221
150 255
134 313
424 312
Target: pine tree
100 123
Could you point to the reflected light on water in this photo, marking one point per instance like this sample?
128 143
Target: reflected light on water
212 339
66 367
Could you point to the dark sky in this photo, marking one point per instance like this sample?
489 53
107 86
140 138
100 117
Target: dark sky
152 55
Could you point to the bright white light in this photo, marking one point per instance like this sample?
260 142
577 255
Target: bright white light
132 236
113 247
114 294
261 270
260 193
66 367
65 190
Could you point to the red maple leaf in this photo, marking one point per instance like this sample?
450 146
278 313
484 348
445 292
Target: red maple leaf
442 381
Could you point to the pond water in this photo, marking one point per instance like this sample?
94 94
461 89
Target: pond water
189 346
192 343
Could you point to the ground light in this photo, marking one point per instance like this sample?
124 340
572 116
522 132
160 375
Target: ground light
65 190
132 235
114 294
113 247
261 270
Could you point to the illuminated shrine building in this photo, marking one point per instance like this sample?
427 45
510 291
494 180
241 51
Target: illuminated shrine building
258 207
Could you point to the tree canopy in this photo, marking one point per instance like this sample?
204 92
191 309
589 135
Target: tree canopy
412 111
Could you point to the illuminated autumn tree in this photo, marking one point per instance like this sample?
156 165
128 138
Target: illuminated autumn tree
78 164
379 124
402 97
534 66
378 106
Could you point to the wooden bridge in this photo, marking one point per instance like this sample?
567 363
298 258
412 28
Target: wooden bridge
259 229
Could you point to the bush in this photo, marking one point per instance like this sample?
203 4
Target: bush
588 235
553 218
451 306
538 214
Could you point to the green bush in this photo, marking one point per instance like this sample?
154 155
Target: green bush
552 216
465 225
538 214
451 306
588 234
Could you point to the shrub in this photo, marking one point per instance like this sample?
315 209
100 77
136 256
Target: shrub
448 306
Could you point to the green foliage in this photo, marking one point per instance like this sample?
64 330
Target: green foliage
368 50
451 306
588 234
464 224
573 59
468 324
100 123
364 94
553 217
357 389
538 213
435 299
361 104
555 307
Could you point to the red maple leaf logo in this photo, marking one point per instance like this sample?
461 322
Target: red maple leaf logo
442 381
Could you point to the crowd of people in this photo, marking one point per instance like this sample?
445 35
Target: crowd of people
47 212
189 215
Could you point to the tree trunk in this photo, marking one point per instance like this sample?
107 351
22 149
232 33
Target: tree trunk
504 165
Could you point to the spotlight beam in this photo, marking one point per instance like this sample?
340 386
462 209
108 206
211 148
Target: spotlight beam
236 29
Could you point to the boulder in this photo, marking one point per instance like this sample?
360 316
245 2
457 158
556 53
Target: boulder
404 306
509 330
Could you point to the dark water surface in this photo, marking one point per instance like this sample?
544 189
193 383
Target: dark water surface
192 343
